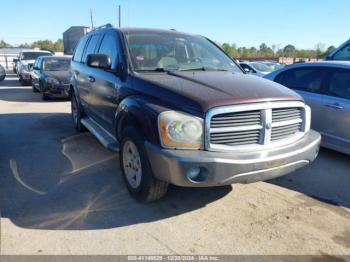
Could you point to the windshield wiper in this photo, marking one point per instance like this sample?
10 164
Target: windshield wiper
204 69
158 69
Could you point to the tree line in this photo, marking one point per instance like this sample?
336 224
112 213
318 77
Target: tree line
264 51
56 46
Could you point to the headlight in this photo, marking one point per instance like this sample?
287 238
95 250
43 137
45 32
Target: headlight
52 81
179 130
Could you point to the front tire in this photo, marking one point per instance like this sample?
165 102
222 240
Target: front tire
77 114
136 168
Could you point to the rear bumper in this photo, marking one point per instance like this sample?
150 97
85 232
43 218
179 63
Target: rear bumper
223 168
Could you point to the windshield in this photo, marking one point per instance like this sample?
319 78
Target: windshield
56 64
152 51
261 67
34 55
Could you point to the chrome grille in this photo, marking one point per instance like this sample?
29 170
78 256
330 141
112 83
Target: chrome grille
236 119
288 122
255 125
281 114
231 129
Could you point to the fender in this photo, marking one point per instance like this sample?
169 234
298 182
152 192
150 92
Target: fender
143 113
73 88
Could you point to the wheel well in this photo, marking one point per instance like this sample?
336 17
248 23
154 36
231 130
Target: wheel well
125 121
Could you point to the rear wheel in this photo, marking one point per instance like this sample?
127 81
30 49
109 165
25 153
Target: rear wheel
137 171
77 114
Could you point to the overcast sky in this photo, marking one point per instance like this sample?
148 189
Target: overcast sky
303 23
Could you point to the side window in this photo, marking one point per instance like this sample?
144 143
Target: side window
80 49
304 79
339 84
91 46
343 54
109 47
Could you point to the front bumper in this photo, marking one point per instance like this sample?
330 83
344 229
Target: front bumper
224 168
57 90
26 76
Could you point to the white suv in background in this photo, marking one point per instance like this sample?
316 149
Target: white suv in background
26 61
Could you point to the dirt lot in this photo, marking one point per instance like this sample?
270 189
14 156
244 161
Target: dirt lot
62 193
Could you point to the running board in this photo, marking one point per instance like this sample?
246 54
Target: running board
101 134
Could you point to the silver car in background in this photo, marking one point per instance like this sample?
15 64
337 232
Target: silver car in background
325 86
256 68
2 73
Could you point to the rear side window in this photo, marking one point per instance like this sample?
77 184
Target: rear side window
304 79
91 46
343 54
339 83
80 50
109 47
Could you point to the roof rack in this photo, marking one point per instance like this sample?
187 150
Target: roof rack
103 26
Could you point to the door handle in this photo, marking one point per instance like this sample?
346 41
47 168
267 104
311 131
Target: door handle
335 106
91 79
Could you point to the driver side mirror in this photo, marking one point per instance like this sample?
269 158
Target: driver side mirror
99 61
15 60
247 70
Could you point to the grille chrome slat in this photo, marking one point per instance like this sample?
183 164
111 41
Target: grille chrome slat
255 126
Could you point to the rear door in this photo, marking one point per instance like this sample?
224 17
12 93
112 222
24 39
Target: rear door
337 108
309 82
78 72
107 83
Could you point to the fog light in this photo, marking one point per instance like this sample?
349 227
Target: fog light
193 173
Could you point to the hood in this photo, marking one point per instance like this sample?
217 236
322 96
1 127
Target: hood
62 76
215 88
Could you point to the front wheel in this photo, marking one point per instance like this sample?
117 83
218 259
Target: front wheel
136 169
34 88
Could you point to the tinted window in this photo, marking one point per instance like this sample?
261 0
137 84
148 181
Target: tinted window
339 84
109 47
91 47
79 50
304 79
343 54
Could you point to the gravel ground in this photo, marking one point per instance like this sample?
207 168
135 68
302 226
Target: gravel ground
62 193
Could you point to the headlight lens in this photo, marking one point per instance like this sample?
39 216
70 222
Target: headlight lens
179 130
52 81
